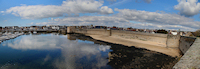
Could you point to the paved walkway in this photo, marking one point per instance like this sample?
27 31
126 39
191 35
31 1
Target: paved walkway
138 43
191 59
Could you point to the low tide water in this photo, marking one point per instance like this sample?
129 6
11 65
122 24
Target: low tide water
74 51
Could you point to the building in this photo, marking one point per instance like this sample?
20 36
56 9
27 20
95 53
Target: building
33 28
190 34
62 27
16 27
55 27
8 28
100 27
1 28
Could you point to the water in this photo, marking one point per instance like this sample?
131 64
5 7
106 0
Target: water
53 51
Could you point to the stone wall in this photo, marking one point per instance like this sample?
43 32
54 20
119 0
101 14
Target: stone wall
185 43
173 41
191 58
160 38
71 29
99 32
81 31
94 31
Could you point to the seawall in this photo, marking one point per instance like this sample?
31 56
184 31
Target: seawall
155 42
164 40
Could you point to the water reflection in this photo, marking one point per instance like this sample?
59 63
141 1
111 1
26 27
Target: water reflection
71 37
73 55
35 42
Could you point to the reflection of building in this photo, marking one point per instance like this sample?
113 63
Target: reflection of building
71 37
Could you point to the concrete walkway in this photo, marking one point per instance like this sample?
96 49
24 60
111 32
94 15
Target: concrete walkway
138 43
191 59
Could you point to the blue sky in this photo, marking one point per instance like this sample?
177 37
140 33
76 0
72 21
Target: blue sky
151 14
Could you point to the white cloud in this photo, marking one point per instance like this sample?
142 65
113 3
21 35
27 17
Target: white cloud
111 21
188 7
157 18
2 11
5 20
106 10
88 20
101 1
34 42
112 0
147 1
67 7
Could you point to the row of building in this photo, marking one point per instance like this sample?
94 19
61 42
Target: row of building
173 32
57 27
48 27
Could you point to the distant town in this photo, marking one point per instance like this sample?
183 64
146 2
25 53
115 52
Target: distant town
57 28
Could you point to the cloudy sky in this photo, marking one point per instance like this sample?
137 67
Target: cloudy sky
150 14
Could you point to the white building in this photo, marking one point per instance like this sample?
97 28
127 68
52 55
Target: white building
33 27
56 27
174 33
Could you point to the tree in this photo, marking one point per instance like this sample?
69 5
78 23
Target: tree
196 33
162 31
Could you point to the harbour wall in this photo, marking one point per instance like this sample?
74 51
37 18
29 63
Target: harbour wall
185 43
168 40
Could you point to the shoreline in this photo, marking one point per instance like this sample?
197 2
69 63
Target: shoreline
158 47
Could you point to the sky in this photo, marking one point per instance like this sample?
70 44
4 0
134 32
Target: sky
149 14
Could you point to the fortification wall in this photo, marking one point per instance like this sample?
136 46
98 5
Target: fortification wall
98 32
93 31
171 41
160 38
185 43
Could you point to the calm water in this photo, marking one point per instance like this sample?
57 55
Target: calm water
52 51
